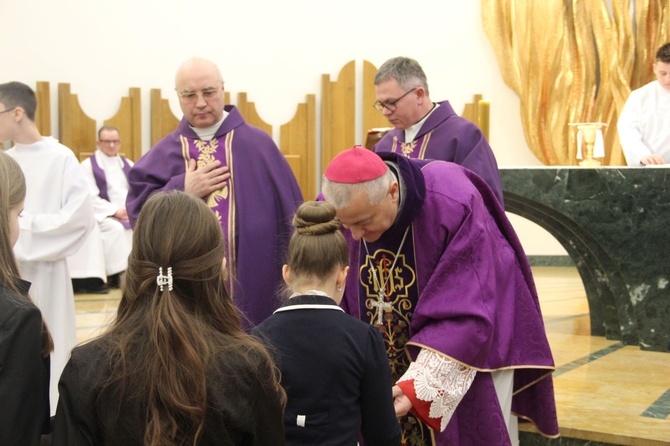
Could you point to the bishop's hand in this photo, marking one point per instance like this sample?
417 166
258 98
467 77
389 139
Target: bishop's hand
202 181
401 403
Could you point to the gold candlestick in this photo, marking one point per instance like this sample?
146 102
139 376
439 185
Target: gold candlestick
589 134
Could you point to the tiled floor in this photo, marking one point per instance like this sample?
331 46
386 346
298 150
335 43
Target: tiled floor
94 312
605 392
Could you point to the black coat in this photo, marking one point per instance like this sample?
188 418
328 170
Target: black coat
335 373
242 410
24 371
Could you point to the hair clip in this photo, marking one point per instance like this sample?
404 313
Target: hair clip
162 280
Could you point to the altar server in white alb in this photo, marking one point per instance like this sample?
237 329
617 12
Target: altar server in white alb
56 218
644 123
106 173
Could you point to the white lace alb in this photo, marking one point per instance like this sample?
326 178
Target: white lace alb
441 381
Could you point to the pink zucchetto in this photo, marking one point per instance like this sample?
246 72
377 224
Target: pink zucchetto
355 165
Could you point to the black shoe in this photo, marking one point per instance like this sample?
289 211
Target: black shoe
114 281
89 285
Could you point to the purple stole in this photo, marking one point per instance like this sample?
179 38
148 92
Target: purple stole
101 180
221 202
401 291
412 149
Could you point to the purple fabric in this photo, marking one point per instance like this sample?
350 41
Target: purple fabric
445 136
101 182
101 179
266 197
473 297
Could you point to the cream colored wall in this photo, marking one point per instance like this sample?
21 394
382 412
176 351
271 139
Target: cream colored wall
276 51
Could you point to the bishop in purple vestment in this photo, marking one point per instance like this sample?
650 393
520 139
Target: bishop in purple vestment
241 174
427 130
442 275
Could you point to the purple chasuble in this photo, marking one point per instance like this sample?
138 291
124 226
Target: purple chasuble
255 208
101 180
445 136
461 286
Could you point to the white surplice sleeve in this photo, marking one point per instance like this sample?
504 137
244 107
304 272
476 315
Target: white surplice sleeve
630 128
51 236
439 381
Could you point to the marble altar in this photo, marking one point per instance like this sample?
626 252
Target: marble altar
613 222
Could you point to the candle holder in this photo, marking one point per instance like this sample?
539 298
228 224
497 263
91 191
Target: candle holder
589 132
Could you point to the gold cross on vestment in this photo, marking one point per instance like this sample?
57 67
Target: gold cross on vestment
382 306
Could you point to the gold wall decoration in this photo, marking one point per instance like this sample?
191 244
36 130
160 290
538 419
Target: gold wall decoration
574 61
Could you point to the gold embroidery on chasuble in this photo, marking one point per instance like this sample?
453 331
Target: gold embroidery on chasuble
413 149
400 289
405 148
231 239
394 325
221 201
206 151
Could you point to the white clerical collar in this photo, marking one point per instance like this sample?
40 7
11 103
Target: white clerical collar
412 130
207 133
107 160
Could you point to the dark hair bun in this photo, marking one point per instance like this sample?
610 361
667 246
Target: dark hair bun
316 218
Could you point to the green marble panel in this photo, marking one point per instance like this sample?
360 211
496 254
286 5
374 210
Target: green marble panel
613 222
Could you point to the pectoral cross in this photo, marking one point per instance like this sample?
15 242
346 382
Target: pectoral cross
382 306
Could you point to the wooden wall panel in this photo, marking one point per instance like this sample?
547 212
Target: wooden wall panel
43 112
79 132
373 120
128 119
76 129
251 116
298 144
338 125
163 121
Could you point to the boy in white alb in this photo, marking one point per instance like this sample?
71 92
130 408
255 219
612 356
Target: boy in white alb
644 123
55 221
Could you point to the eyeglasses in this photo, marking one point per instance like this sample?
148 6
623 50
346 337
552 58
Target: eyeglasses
390 105
8 110
192 96
110 142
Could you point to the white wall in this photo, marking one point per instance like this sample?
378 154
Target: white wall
275 50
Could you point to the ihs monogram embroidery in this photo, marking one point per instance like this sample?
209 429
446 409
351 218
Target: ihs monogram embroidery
390 308
393 286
